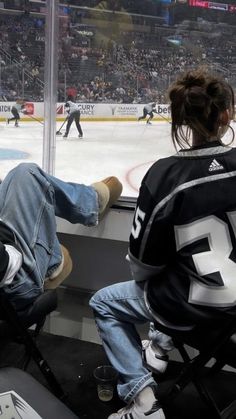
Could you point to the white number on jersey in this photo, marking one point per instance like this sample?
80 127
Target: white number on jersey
214 260
138 218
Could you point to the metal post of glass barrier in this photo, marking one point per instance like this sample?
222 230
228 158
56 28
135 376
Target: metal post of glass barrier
50 85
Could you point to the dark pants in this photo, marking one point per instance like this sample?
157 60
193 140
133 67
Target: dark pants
15 114
145 113
75 116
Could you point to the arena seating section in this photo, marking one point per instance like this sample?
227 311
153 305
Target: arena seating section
135 67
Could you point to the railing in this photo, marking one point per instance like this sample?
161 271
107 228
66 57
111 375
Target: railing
25 74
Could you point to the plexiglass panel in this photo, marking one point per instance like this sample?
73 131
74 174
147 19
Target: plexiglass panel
117 56
114 57
22 43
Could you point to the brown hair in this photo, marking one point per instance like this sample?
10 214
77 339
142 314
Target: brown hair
197 100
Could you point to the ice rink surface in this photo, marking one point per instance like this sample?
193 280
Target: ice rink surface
123 149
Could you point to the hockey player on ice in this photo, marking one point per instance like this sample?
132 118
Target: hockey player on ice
73 115
148 109
18 107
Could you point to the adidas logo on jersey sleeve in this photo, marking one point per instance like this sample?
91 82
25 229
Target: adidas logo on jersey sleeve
215 165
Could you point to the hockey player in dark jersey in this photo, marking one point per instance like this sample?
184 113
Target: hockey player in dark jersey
182 248
73 115
148 109
18 107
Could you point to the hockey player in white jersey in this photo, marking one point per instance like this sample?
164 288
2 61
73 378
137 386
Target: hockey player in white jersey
15 110
148 109
73 115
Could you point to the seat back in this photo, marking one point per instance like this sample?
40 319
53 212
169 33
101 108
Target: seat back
15 325
35 313
218 342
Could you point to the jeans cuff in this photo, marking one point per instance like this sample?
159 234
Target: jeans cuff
145 381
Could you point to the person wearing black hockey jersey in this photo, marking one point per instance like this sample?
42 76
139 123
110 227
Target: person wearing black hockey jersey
182 247
73 115
15 110
149 110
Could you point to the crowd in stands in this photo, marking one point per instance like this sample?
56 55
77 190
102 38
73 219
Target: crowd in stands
21 56
136 68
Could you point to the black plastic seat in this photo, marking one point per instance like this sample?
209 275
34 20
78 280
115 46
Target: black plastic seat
34 314
15 326
218 345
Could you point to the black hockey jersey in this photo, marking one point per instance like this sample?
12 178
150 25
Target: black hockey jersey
183 239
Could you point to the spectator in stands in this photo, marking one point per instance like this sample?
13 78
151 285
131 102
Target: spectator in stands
35 72
30 253
182 245
71 91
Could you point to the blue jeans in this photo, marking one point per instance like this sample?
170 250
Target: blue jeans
117 309
29 201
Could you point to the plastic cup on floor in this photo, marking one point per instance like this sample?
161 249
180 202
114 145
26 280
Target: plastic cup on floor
106 378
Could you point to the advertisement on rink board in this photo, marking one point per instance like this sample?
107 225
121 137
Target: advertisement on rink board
89 111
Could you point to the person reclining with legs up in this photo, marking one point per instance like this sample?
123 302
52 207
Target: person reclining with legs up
32 258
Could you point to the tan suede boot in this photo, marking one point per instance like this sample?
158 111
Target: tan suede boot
108 190
61 273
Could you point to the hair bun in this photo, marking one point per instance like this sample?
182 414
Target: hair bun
213 88
194 78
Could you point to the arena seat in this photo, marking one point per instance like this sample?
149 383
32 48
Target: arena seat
215 345
14 326
22 396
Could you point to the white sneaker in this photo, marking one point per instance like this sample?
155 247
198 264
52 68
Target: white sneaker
154 358
133 412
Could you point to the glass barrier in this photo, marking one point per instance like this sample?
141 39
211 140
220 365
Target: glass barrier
22 43
114 57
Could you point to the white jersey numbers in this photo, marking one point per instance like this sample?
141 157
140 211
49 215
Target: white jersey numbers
138 218
214 260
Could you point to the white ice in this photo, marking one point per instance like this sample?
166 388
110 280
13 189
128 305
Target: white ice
123 149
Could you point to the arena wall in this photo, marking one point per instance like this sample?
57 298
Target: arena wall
89 111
